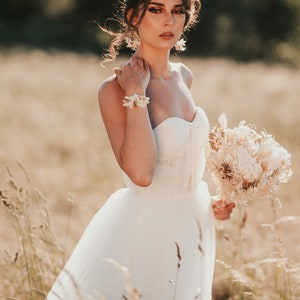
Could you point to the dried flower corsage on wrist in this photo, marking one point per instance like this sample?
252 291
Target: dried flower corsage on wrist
136 100
246 165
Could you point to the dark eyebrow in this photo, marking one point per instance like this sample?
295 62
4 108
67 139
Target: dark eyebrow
156 3
162 4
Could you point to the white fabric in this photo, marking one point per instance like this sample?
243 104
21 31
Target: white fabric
138 227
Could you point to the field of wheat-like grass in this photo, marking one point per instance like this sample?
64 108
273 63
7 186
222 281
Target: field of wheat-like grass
57 169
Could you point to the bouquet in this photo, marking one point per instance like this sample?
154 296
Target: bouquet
246 165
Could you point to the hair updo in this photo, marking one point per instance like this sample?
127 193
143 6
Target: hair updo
128 30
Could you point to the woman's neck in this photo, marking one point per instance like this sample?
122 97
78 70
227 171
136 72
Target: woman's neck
158 62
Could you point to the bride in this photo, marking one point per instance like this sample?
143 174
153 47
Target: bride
158 232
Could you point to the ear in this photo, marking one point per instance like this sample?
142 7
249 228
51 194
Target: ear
135 20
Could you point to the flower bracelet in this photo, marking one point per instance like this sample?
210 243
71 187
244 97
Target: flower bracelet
136 100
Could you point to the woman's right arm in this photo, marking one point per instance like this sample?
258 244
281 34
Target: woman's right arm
129 130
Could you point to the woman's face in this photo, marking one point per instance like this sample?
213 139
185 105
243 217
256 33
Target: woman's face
162 24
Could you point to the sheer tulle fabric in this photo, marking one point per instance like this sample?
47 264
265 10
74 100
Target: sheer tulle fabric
139 228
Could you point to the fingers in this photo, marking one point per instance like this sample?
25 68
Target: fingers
146 66
118 72
223 204
221 210
138 61
230 206
222 215
133 75
134 60
219 203
135 64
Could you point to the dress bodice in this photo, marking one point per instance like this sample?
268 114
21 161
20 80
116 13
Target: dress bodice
180 155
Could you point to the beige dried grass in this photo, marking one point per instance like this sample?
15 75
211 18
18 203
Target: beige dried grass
49 120
28 271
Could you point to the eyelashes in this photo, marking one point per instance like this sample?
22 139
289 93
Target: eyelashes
157 10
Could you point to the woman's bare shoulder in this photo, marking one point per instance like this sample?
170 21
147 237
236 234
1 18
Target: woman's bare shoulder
109 89
110 97
184 72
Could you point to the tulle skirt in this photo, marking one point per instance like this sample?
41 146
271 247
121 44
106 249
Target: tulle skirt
162 246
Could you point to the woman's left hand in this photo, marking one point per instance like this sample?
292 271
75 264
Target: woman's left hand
222 210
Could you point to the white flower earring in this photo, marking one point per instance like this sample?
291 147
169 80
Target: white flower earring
133 41
180 45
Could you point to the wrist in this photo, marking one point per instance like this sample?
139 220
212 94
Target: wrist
130 92
136 100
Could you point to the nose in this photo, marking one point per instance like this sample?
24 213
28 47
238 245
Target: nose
169 20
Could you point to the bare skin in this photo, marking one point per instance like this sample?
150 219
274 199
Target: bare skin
167 84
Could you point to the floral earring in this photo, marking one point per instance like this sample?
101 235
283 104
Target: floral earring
132 41
180 45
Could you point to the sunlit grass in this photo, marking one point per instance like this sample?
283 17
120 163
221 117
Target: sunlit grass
50 121
28 269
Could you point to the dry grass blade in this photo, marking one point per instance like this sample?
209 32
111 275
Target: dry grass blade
32 263
236 275
131 291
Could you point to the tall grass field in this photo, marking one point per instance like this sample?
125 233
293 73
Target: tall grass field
57 169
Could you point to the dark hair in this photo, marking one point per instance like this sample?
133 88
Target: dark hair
127 29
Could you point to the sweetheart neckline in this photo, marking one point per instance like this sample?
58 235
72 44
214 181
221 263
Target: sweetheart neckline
179 118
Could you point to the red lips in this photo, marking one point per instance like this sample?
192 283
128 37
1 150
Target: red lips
167 34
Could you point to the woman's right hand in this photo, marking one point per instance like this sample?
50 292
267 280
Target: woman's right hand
134 76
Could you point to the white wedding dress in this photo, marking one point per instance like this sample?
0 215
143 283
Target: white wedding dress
139 228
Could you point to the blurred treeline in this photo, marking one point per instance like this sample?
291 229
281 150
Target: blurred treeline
241 29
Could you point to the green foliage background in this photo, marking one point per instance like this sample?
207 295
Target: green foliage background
241 29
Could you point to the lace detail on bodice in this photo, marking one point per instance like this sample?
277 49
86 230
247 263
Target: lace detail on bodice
180 165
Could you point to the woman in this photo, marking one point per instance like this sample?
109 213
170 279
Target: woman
161 227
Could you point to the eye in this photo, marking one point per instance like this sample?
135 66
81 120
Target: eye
178 11
155 10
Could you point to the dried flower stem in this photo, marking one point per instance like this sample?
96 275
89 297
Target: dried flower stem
177 271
